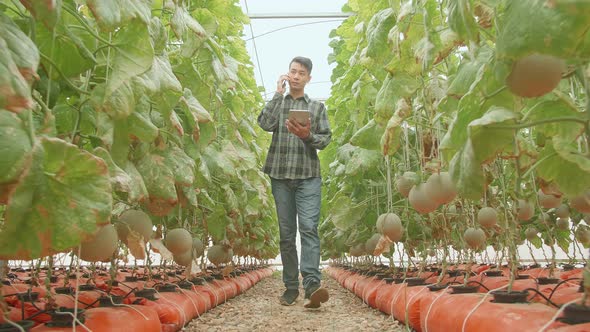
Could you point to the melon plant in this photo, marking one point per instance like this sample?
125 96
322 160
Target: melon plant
487 217
179 241
358 250
101 246
535 75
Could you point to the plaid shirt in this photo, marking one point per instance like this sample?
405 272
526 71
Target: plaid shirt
290 157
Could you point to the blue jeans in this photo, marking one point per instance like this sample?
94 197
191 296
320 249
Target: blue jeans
299 201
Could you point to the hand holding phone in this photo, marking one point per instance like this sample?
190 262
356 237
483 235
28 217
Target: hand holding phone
282 83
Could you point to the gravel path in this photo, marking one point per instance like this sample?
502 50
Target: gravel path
258 309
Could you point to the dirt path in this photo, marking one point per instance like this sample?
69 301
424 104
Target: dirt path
259 310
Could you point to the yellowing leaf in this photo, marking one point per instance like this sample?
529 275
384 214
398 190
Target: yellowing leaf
136 244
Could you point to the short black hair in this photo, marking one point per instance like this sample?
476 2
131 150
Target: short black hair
305 62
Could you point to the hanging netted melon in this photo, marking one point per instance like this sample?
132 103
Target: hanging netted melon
390 225
219 254
198 248
179 241
101 246
184 258
440 188
535 75
487 217
137 221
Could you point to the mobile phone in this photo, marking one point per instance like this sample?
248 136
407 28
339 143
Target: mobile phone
300 116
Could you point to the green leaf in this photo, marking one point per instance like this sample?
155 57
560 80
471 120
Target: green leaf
553 109
532 26
111 14
158 177
142 127
487 141
394 87
536 242
462 19
344 214
561 162
63 196
15 146
369 136
47 12
15 94
181 165
133 56
216 223
120 181
137 189
392 137
188 30
467 173
23 50
456 136
377 31
362 160
158 34
160 84
118 103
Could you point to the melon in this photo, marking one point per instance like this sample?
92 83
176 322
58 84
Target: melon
535 75
371 243
178 241
474 237
581 202
404 183
390 225
548 201
487 217
184 258
531 233
562 224
525 210
136 220
440 188
420 201
219 254
562 211
198 248
101 246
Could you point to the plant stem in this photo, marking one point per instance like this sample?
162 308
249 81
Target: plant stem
67 80
540 122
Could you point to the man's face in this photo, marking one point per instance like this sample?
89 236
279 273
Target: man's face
299 76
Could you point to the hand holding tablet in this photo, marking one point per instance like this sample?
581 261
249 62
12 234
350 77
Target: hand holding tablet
301 116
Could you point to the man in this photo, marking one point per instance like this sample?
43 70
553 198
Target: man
294 169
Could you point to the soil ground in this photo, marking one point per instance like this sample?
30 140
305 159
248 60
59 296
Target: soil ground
258 309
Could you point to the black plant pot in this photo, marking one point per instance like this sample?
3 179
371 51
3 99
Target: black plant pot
130 279
576 314
501 296
185 285
437 287
64 290
198 281
53 279
167 288
455 273
25 324
28 296
86 287
415 281
493 273
547 281
522 276
568 267
398 280
110 301
460 289
146 293
388 280
64 317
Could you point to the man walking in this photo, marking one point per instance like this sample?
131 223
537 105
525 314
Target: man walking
294 169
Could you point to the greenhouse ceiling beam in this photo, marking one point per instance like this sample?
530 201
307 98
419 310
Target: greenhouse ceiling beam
297 15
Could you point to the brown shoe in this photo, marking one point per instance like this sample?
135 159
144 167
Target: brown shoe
316 298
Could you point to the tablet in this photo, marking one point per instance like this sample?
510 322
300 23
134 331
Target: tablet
300 116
